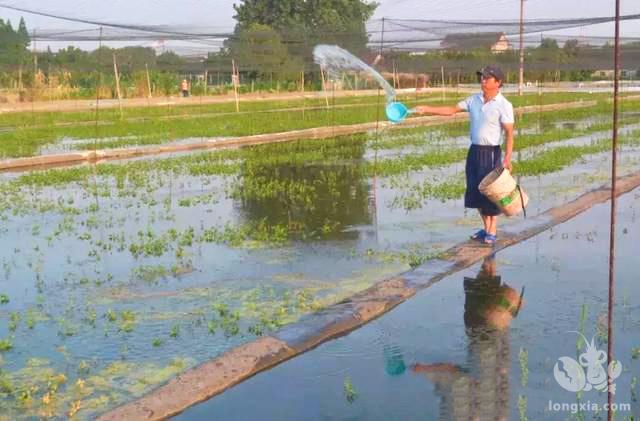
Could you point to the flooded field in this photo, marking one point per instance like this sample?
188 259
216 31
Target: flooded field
118 276
454 352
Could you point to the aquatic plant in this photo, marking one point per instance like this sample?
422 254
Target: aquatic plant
522 407
349 391
5 344
581 326
175 331
523 358
127 321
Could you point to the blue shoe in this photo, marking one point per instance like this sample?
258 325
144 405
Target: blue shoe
479 235
490 239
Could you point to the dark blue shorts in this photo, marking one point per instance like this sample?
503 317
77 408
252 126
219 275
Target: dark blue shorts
481 160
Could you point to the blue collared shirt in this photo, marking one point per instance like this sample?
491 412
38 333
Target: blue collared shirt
486 119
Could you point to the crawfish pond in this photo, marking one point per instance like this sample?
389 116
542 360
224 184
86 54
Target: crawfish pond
118 276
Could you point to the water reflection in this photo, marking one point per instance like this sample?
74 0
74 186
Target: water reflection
479 389
312 199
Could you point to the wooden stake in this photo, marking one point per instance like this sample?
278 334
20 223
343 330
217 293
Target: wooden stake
235 78
444 95
206 80
302 91
115 71
326 97
148 81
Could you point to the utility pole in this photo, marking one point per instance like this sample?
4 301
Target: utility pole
521 78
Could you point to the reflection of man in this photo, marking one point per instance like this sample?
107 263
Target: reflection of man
479 391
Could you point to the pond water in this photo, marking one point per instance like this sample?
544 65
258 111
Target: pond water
454 352
122 277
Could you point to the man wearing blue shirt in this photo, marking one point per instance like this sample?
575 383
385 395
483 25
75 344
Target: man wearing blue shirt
491 120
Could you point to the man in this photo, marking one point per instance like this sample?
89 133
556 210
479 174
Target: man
184 87
490 115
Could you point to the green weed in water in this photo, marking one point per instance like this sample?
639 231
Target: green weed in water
111 315
211 327
584 310
523 357
175 331
5 344
127 321
522 407
14 319
31 319
349 391
150 273
229 324
4 299
602 334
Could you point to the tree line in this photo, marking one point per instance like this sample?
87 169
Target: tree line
271 45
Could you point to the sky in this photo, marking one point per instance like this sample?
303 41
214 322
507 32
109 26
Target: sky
217 15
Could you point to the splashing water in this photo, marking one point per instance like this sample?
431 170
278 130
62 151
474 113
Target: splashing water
334 59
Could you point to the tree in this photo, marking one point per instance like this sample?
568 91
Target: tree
259 50
548 52
303 24
548 44
131 59
13 44
73 58
571 48
23 35
169 59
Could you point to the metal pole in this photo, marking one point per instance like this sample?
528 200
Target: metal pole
206 78
521 78
378 97
99 83
35 58
35 75
612 229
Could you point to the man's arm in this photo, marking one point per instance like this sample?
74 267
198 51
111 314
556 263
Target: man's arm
427 109
508 131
